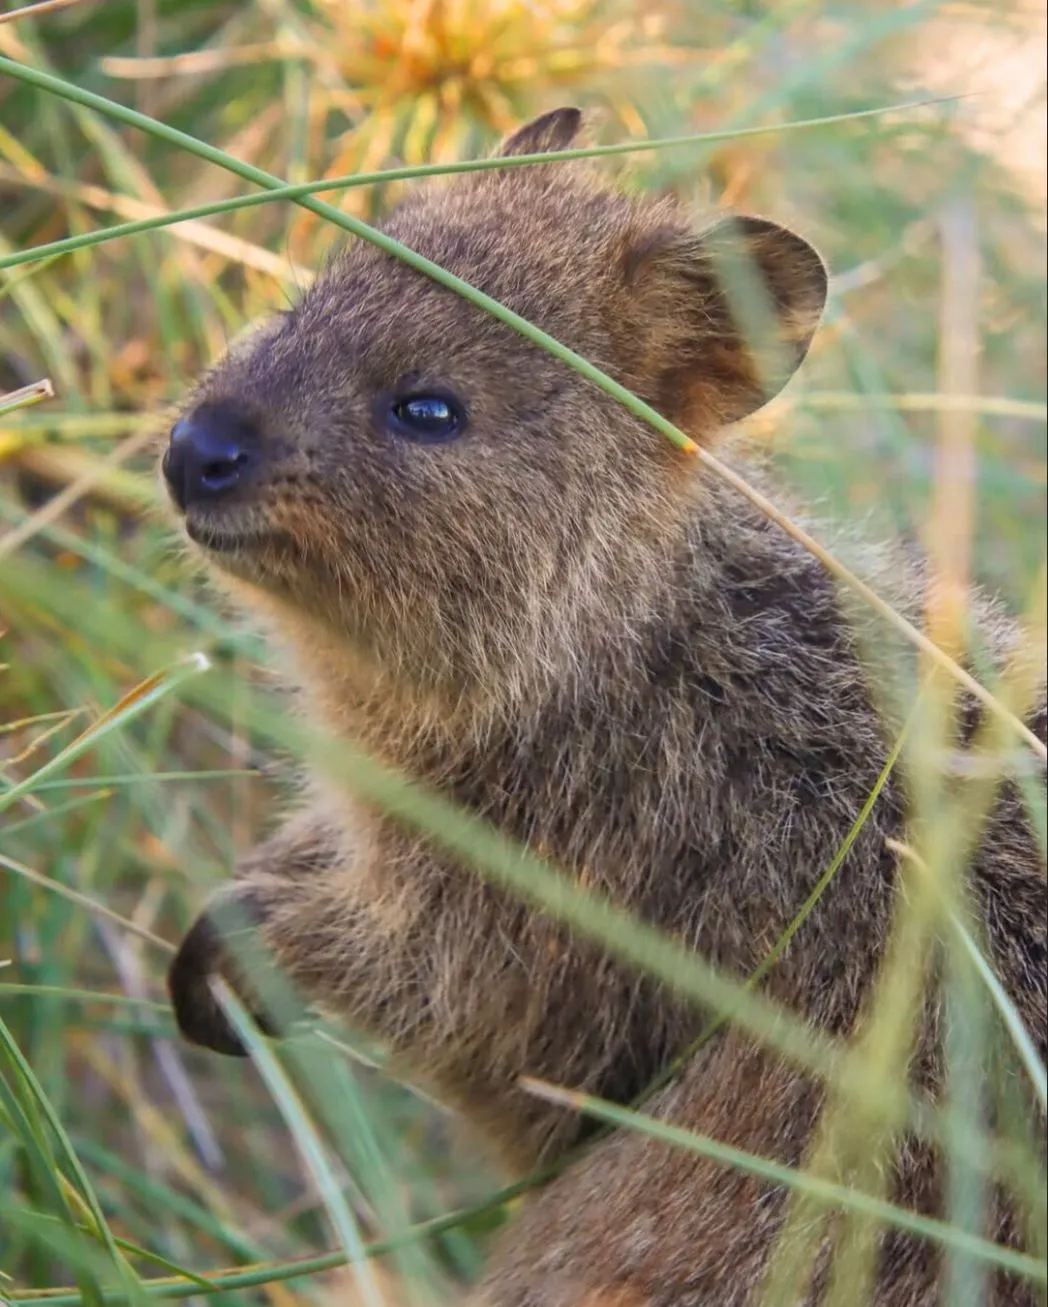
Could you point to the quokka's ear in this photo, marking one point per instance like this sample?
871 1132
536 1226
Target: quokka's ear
556 130
725 316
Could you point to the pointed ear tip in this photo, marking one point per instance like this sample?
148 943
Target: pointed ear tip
565 116
555 130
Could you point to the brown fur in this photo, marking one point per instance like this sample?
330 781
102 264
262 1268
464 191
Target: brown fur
560 623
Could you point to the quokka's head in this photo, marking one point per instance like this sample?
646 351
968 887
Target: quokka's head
441 491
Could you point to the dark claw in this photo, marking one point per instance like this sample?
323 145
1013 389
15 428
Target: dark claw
202 955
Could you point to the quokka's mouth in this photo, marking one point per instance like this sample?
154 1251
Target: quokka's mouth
222 538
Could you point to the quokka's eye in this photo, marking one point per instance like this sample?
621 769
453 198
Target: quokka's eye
430 419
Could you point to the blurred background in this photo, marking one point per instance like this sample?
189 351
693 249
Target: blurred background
933 222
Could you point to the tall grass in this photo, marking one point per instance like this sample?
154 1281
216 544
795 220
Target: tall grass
140 750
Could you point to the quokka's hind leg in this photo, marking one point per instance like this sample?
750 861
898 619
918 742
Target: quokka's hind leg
641 1223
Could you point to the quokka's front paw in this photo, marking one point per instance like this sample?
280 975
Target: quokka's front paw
222 943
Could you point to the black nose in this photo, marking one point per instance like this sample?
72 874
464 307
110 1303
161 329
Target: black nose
209 455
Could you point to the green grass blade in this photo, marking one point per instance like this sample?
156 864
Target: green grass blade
25 397
304 190
67 1152
138 701
1006 1009
309 1144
